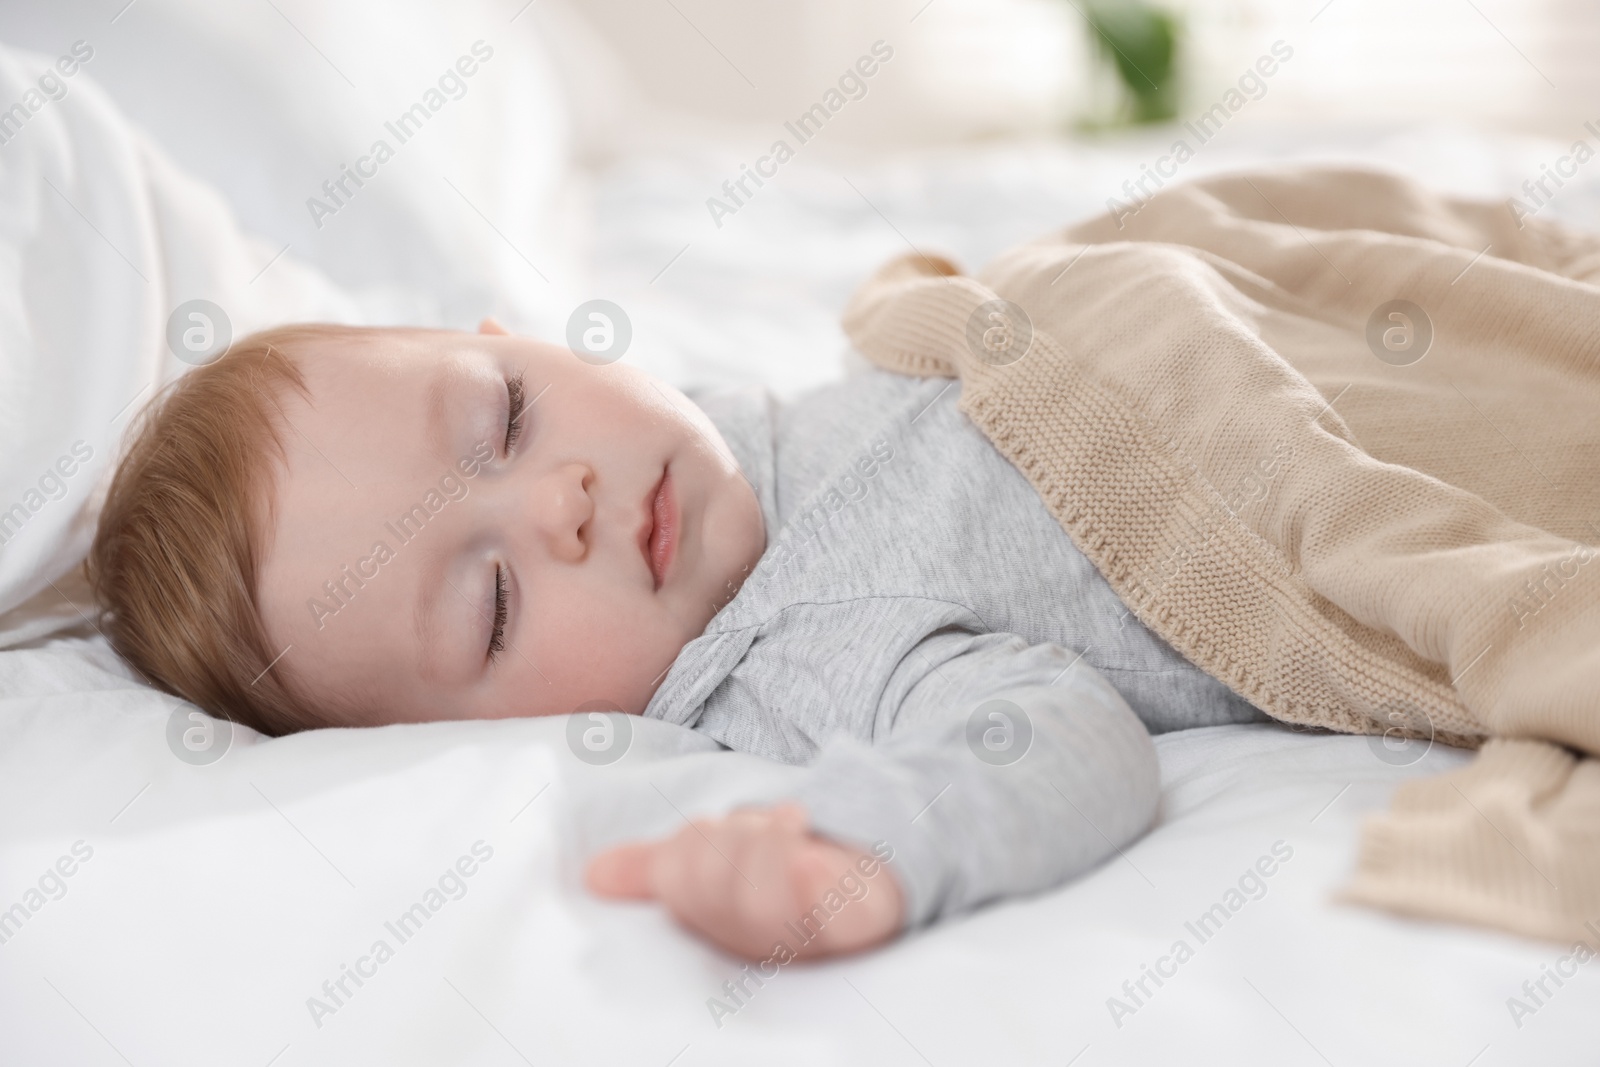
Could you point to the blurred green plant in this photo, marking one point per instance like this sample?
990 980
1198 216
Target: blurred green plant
1141 42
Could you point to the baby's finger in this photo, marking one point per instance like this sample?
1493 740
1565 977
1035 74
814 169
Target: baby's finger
685 872
701 877
813 870
858 914
624 872
791 815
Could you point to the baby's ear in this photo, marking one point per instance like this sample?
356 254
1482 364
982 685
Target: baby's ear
489 325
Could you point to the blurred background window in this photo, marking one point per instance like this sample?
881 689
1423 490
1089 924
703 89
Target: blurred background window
981 68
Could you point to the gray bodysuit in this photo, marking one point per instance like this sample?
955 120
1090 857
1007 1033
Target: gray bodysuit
962 682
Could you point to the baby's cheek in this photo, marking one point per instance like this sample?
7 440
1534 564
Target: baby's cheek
599 648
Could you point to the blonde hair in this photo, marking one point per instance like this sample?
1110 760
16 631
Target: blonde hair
176 555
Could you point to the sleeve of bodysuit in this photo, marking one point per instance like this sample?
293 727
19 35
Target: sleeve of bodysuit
998 768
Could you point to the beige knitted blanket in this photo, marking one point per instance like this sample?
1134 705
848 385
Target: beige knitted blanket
1337 439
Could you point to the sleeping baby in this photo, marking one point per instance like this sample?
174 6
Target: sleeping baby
347 526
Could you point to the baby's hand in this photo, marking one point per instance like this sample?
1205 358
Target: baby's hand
738 880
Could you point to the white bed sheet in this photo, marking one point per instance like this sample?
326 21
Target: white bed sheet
219 898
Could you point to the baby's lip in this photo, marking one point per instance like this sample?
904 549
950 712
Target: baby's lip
658 533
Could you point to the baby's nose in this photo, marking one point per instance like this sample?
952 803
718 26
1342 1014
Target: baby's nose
563 510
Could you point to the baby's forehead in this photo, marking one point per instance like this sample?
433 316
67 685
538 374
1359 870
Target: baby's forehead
395 349
351 454
360 443
358 425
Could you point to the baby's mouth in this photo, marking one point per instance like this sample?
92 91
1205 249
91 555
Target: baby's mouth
660 534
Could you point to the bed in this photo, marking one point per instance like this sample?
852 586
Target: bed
175 892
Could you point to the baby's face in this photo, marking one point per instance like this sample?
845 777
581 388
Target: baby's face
404 529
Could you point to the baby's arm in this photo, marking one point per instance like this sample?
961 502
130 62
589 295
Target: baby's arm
966 822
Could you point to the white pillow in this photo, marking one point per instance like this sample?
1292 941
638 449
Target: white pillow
267 101
100 239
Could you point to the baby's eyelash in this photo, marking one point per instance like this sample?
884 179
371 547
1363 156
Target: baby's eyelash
514 412
497 636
